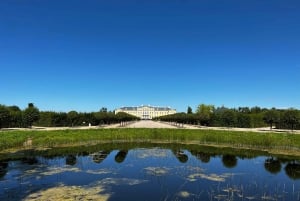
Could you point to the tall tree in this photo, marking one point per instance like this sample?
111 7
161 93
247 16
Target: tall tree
15 114
4 116
255 109
271 117
189 110
103 109
205 113
228 118
291 118
72 117
31 114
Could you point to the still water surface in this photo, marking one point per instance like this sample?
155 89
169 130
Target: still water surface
150 174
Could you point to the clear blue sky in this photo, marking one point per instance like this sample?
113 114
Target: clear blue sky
86 54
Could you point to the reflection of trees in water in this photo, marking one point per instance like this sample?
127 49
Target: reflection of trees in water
293 170
71 160
181 156
272 165
3 170
203 157
229 161
121 155
100 156
31 160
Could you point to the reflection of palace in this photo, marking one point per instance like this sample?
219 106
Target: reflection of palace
146 112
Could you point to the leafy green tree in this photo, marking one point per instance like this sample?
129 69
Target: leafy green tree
244 110
255 110
31 114
46 118
271 117
291 118
228 118
243 120
257 120
4 116
59 119
189 110
72 117
205 113
101 117
16 119
103 109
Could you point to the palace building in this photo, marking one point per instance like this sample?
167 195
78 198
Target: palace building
146 112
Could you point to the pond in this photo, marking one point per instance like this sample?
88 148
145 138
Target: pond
148 172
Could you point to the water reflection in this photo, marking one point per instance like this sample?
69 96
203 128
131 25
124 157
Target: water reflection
180 155
229 161
203 157
121 155
71 160
172 173
30 160
272 165
293 170
100 156
3 168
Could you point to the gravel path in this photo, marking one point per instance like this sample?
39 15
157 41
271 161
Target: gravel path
149 124
154 124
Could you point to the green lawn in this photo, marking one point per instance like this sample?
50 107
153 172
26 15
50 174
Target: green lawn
238 139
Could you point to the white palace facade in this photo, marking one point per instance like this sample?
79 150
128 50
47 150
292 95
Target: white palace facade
146 112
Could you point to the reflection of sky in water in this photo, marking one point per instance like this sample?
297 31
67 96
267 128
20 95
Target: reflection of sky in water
147 174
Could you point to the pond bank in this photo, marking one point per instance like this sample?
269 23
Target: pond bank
277 143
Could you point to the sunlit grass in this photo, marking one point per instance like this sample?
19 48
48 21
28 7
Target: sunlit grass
284 141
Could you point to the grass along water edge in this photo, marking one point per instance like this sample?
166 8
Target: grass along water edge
279 142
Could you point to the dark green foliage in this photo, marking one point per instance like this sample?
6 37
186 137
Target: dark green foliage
257 120
189 110
243 117
206 115
243 120
31 114
228 118
271 117
16 117
103 109
4 116
291 118
72 117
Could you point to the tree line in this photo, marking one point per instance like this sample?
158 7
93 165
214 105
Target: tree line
242 117
14 117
